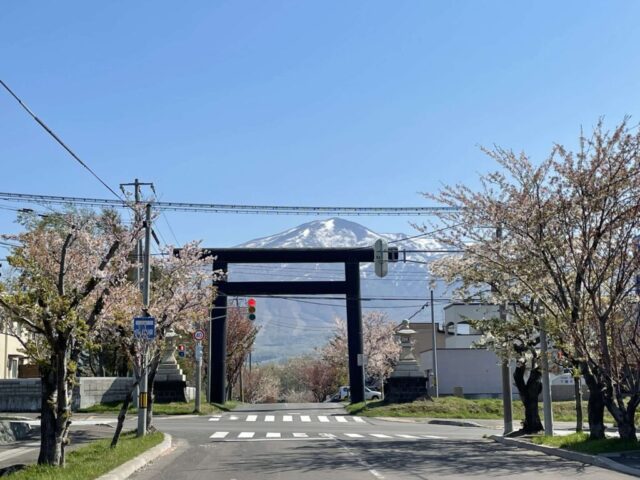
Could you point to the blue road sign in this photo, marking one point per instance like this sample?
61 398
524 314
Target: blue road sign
144 327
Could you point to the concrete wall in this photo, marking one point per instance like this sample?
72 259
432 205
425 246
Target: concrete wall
476 371
23 395
94 390
20 395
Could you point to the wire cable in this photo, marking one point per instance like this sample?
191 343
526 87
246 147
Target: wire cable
57 139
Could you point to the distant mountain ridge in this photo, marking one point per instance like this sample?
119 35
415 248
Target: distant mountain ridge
291 326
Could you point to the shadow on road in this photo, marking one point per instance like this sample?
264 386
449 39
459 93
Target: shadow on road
439 457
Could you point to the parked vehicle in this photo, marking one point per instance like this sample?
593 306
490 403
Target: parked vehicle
344 393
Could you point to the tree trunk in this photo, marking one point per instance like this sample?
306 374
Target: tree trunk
529 392
63 400
153 369
49 453
578 394
595 406
123 414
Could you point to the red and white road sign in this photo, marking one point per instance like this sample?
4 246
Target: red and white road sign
198 335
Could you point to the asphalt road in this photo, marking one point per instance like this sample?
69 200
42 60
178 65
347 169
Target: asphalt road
318 441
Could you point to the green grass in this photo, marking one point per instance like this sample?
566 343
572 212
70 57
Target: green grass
454 407
579 442
95 459
174 408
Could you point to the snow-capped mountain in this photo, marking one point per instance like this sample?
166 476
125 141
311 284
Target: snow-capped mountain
291 326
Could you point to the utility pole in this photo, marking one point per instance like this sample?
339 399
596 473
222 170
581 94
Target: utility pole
507 396
434 350
137 273
142 402
546 387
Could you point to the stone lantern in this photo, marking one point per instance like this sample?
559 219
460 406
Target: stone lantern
170 383
407 382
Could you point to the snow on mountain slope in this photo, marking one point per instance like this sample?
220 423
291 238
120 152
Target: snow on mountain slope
291 326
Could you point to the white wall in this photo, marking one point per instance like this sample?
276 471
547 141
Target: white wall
476 371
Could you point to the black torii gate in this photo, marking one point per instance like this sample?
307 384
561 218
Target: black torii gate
350 287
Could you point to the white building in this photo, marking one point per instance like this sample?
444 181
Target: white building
462 368
10 355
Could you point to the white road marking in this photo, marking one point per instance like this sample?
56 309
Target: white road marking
269 418
300 435
358 419
251 418
327 435
287 418
219 435
406 436
246 434
305 418
214 419
323 418
432 436
375 474
354 435
341 419
233 417
379 435
273 435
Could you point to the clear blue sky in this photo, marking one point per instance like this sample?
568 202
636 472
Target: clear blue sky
301 103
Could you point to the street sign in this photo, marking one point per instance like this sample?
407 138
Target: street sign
198 352
144 328
381 257
198 335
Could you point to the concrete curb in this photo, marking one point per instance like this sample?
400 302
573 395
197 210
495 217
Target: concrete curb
455 423
597 460
129 468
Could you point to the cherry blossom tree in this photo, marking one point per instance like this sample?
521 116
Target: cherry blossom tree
67 267
241 334
380 347
568 226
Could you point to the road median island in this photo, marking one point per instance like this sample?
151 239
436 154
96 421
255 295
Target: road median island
579 448
173 408
97 460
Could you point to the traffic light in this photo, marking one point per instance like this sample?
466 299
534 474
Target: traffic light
181 351
251 309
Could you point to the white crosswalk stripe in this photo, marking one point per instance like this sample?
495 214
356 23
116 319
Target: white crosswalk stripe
269 418
251 418
323 418
287 418
305 418
359 420
253 436
215 419
341 419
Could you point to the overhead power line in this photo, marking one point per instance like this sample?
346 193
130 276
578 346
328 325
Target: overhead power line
57 139
230 208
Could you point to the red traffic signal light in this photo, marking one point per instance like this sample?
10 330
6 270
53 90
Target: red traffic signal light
181 348
251 309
